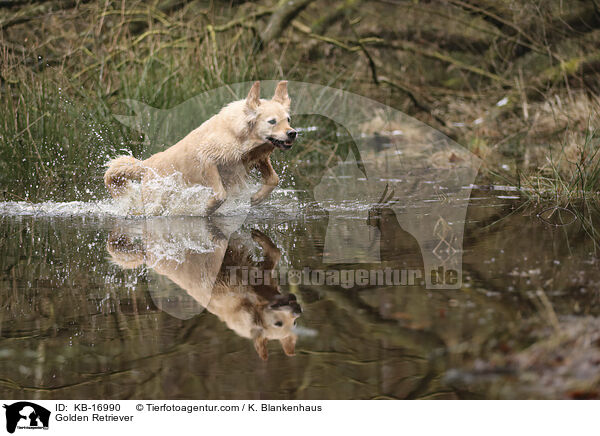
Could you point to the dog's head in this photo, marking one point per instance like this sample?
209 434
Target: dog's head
277 321
270 119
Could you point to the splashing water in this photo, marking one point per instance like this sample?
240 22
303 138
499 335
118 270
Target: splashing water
165 196
170 196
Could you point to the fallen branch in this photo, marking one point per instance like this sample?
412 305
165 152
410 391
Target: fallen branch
404 46
412 95
244 20
284 13
27 13
497 19
407 46
306 30
342 10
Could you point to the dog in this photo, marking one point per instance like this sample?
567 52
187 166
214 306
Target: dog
214 279
220 153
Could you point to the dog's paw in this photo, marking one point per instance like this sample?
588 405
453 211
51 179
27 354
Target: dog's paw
215 234
260 238
212 205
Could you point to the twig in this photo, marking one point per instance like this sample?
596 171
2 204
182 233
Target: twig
412 95
284 13
507 23
367 54
306 30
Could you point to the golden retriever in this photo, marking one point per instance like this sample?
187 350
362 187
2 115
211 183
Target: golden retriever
214 279
220 153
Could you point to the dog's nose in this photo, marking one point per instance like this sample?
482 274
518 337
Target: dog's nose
292 134
296 309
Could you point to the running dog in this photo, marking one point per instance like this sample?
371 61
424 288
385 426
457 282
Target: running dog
259 312
220 153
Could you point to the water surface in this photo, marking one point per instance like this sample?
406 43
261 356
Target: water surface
94 305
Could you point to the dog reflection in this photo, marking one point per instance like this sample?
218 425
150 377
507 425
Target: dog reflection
213 279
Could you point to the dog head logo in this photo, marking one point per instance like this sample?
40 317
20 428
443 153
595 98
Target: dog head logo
26 415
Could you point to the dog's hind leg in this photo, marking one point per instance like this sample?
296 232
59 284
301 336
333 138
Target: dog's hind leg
270 180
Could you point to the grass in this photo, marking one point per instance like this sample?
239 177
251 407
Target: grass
60 90
51 146
58 126
570 175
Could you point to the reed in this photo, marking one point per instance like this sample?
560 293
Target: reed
67 67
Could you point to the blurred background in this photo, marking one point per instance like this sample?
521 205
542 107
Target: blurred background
515 81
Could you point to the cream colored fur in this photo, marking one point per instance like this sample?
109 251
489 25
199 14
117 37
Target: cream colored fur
245 309
220 153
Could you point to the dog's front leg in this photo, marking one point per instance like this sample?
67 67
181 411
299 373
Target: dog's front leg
271 253
270 180
213 180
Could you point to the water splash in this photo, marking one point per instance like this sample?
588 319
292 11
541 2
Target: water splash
168 197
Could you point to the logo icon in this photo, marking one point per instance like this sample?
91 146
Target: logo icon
26 415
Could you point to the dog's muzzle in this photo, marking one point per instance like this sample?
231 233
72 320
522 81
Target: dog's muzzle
288 300
284 144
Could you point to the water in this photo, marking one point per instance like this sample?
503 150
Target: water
97 305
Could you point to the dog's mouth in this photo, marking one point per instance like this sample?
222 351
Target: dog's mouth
284 145
289 301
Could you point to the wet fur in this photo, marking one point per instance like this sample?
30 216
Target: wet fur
219 154
245 309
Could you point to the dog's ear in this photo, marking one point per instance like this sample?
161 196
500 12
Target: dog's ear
260 343
253 99
289 345
281 94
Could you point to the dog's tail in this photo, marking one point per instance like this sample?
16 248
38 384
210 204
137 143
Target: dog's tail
120 172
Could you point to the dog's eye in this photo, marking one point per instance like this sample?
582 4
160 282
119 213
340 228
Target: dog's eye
272 121
279 324
289 120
